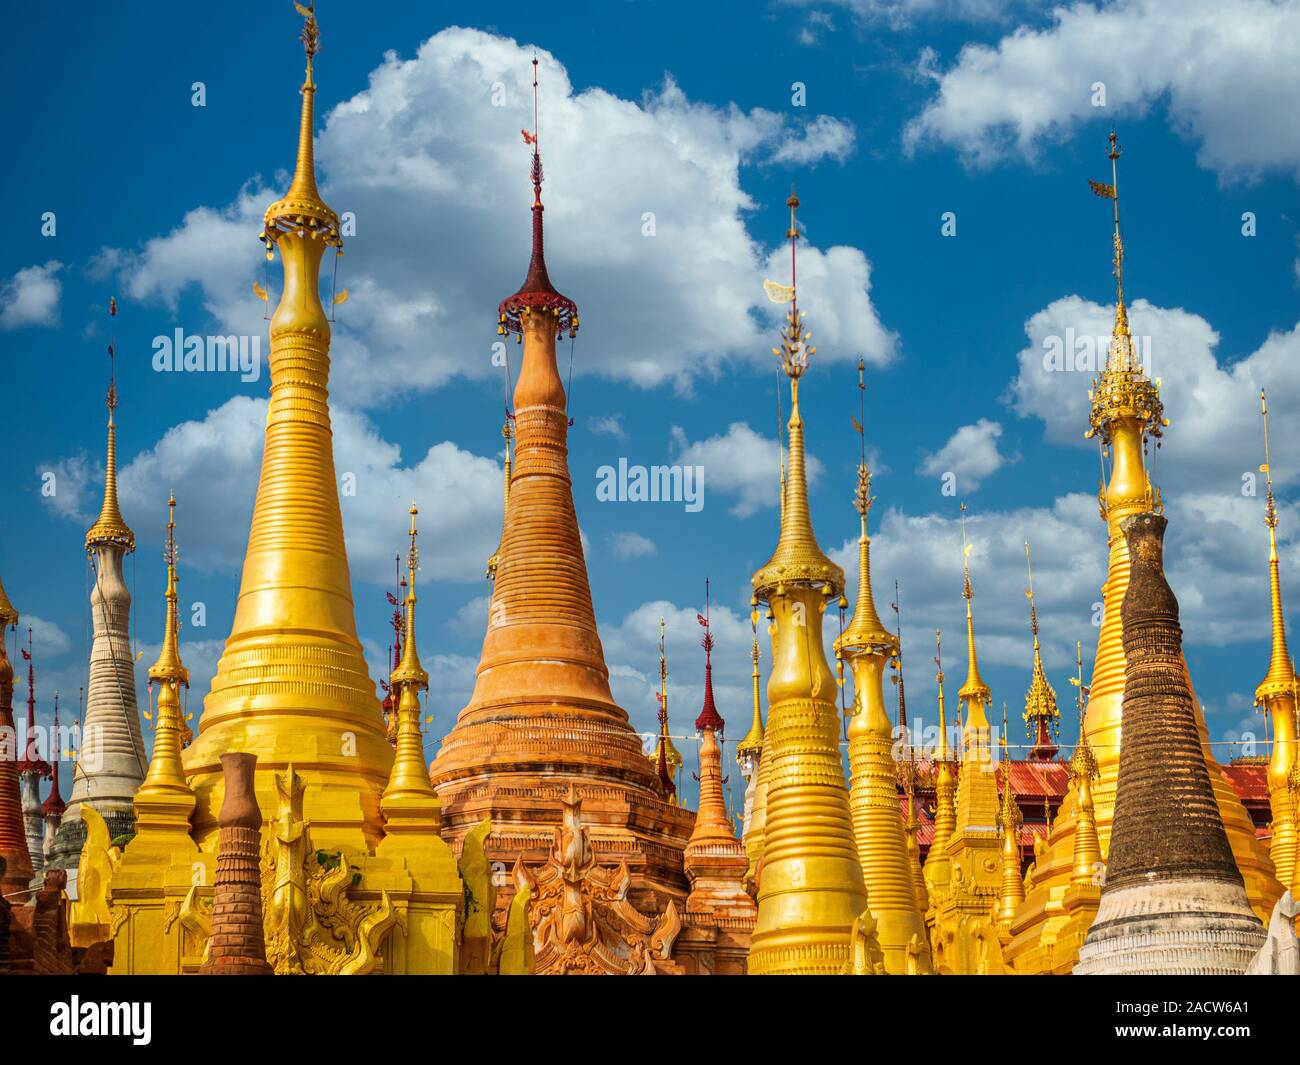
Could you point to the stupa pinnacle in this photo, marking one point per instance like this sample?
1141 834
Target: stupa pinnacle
111 762
1126 414
873 772
292 686
542 719
810 890
1042 717
1277 694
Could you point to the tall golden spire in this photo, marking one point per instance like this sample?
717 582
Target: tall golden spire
1125 415
1293 788
873 772
1123 397
292 686
302 211
409 803
507 431
755 746
865 629
977 789
1009 822
752 744
974 693
798 557
937 868
1276 693
110 527
663 763
810 889
1042 717
912 826
1083 772
165 800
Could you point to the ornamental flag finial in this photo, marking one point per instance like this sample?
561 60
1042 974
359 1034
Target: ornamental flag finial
110 528
1122 389
302 212
536 296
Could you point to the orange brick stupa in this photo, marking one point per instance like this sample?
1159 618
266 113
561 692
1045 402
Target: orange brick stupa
542 719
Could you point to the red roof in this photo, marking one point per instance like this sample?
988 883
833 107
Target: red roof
1035 781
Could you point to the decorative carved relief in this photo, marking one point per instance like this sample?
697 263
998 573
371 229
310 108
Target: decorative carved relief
581 918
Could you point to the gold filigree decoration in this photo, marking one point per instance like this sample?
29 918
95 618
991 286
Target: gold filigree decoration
312 926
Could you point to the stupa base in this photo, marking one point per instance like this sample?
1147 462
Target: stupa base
1187 927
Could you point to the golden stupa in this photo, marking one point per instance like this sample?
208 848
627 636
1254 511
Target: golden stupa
292 685
1126 413
810 887
350 840
963 902
873 773
1276 694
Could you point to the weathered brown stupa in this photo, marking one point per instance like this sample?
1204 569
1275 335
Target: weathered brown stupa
1174 901
542 718
237 944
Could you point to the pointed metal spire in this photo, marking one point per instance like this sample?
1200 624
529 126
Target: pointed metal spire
110 527
1122 390
798 559
709 718
661 751
537 295
1042 716
1280 679
974 690
752 744
302 210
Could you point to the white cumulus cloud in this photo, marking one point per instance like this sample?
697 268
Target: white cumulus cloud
31 297
1225 73
739 463
971 453
646 223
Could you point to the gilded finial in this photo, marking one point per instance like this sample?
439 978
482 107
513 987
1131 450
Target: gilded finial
798 559
302 212
752 744
1040 701
974 689
942 754
165 799
794 351
409 803
1122 389
110 528
662 759
1281 671
1009 814
536 296
1083 764
409 672
897 662
169 668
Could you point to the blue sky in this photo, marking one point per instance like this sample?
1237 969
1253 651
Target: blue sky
910 109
